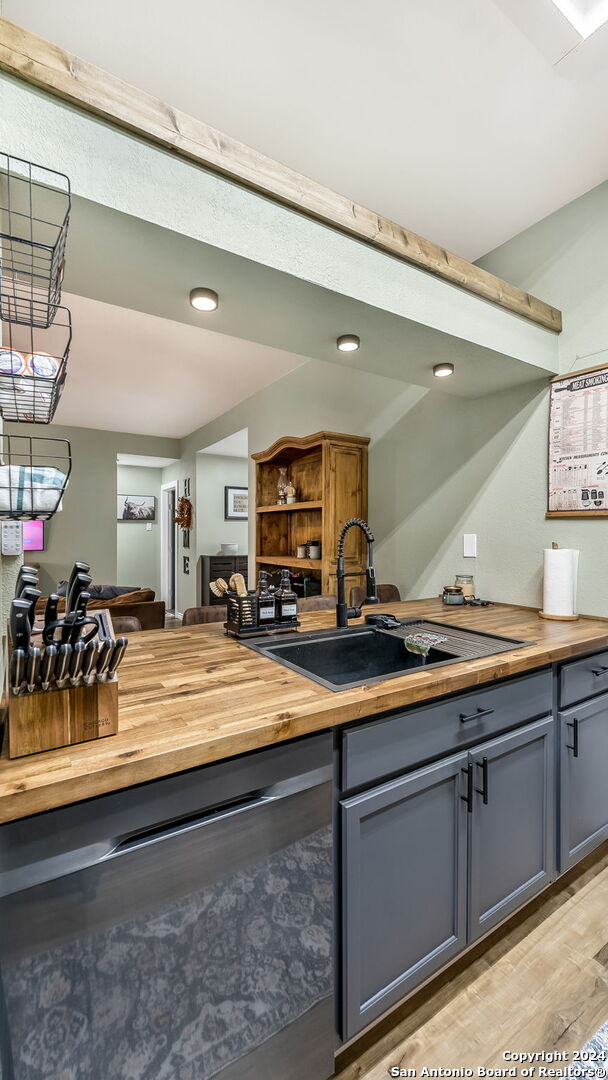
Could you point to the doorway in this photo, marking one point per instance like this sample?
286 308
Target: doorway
168 548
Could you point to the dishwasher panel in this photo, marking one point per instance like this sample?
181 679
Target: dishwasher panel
197 947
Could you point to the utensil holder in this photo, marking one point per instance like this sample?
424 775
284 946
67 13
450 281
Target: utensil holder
49 719
243 618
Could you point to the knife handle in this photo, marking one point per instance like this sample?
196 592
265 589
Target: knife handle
33 668
50 611
17 669
20 624
105 653
47 667
61 665
118 652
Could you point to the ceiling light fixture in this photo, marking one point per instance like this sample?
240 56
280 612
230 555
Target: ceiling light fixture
204 299
348 342
440 371
586 16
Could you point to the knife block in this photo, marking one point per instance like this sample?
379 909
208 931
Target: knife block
48 719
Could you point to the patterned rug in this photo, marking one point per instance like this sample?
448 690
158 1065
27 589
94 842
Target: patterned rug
594 1056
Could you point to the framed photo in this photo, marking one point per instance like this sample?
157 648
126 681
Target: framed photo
236 503
136 508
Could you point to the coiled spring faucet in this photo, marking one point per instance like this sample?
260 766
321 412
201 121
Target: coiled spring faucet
343 612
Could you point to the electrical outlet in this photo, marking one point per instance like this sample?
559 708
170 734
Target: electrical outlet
469 545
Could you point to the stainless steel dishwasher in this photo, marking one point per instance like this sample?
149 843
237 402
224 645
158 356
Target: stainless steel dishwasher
179 930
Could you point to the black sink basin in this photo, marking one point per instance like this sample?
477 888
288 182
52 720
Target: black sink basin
356 655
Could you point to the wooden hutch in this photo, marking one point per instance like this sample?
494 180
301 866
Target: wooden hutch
329 473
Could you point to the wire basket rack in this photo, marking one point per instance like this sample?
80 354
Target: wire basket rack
34 215
33 362
34 474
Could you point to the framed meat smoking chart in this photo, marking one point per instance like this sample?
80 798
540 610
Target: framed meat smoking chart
578 444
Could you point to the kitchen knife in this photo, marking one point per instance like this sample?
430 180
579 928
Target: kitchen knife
76 662
105 654
25 580
89 660
32 668
32 596
61 665
118 652
78 568
17 669
79 584
20 624
50 611
47 666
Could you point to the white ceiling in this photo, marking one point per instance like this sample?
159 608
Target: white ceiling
235 445
466 122
130 371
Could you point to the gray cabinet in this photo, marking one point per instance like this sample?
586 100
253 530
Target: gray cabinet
512 840
583 809
403 888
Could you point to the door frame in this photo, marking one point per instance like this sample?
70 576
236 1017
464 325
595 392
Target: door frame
164 523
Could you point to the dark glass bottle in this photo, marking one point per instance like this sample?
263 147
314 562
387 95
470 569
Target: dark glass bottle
266 601
286 600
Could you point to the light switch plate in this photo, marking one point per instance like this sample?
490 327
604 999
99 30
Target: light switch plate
469 545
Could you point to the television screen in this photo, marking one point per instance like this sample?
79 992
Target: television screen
33 535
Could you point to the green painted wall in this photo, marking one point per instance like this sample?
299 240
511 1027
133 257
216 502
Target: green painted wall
213 473
138 542
86 527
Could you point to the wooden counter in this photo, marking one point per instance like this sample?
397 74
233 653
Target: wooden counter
192 696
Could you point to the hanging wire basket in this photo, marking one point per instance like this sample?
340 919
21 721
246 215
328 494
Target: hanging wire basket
34 474
33 362
34 216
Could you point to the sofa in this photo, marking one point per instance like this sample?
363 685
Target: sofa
133 601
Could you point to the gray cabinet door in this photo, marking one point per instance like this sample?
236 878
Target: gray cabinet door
403 887
583 809
512 837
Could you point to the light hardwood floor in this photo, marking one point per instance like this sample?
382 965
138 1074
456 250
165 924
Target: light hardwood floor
541 983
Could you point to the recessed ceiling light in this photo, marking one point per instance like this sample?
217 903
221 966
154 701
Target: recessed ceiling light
586 16
348 343
204 299
441 370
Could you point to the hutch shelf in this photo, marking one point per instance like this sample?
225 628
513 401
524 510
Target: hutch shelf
329 473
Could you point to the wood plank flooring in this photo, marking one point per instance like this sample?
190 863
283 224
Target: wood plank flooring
541 983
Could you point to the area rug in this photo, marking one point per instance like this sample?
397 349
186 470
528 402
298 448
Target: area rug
594 1056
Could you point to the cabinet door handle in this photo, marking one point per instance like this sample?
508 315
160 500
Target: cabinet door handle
598 672
475 716
574 744
483 790
468 798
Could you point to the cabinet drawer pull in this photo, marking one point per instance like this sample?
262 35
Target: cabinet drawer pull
483 791
468 798
598 672
475 716
574 744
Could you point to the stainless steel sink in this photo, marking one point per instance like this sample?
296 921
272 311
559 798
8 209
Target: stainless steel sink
362 655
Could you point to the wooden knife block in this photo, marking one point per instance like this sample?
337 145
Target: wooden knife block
48 719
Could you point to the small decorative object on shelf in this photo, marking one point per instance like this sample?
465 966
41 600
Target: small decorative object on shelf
313 549
33 362
34 217
34 474
282 484
290 493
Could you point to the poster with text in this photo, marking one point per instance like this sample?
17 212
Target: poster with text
578 443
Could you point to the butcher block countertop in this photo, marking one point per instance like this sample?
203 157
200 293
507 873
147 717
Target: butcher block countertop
192 695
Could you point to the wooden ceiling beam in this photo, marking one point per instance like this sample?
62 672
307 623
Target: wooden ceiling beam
60 73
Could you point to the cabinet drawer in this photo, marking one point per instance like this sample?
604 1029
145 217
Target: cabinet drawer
582 679
383 748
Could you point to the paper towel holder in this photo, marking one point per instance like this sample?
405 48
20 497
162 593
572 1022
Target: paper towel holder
558 618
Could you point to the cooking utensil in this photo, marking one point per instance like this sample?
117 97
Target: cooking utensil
78 568
76 662
80 583
50 611
17 669
25 581
32 668
118 652
47 666
20 624
89 659
32 596
61 665
104 657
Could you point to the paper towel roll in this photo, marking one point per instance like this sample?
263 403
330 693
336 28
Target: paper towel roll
559 581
